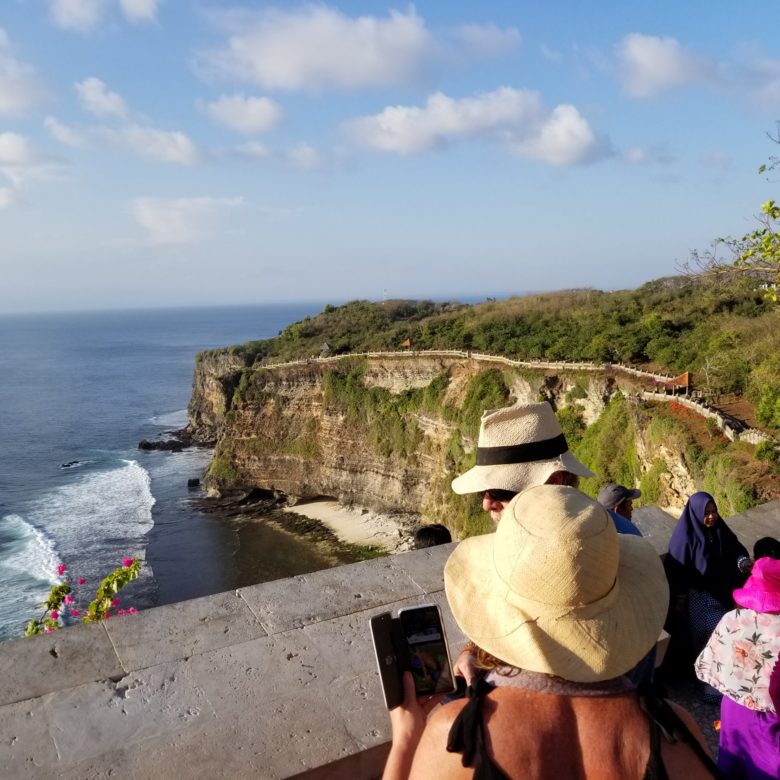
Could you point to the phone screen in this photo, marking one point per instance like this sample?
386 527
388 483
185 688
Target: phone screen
429 659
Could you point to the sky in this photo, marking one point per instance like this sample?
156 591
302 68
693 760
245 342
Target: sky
198 152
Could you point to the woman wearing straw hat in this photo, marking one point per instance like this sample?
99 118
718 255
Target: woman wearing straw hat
561 607
741 661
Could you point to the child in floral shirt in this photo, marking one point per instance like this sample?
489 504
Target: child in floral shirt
741 661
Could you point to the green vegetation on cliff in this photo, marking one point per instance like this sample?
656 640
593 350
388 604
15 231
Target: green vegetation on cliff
727 336
730 471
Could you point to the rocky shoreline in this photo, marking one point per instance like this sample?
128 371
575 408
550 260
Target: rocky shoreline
324 523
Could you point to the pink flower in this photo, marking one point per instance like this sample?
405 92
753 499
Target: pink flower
48 630
61 569
75 612
121 612
81 580
55 615
128 562
132 611
115 602
68 600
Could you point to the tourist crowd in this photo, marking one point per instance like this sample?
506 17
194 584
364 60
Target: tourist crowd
564 606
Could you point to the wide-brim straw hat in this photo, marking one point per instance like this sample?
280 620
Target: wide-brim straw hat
518 447
556 590
761 592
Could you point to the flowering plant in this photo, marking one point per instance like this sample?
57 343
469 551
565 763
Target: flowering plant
61 603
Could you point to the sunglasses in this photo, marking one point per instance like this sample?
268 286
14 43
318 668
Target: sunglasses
500 495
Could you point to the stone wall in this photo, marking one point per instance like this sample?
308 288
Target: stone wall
272 681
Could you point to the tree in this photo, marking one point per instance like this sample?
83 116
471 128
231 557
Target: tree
754 256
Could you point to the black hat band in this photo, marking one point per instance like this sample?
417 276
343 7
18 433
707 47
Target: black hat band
522 453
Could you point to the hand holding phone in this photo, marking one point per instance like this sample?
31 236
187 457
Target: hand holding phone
414 642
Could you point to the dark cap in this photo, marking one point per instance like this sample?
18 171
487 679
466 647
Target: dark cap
611 495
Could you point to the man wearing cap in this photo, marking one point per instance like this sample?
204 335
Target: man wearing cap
619 501
520 447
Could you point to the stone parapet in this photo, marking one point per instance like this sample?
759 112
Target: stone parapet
272 681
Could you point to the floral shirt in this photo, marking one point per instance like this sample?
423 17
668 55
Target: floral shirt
739 658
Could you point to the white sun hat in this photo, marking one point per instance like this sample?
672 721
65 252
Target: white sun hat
518 447
557 590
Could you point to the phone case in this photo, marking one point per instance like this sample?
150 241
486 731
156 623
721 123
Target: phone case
385 633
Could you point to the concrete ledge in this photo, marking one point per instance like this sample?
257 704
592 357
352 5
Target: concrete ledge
274 681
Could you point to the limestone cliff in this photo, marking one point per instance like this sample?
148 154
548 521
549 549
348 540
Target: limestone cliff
384 433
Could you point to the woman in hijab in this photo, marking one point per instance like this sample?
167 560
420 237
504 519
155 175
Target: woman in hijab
704 565
741 662
560 607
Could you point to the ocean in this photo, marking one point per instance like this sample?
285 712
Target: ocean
78 391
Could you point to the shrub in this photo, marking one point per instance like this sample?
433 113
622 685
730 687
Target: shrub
650 484
768 451
608 448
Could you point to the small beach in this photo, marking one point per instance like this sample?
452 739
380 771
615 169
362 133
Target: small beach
355 525
237 543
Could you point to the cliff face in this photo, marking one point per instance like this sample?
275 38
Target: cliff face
213 385
275 431
287 429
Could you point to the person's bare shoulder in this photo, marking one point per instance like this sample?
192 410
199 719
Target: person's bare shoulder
679 759
431 760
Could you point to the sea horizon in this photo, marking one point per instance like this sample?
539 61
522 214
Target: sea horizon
79 391
464 298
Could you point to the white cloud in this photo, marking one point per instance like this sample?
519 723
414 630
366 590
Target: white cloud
516 117
150 143
63 133
651 65
80 15
140 10
563 138
153 144
550 54
255 149
246 115
657 154
762 82
99 100
487 40
17 157
409 129
20 162
305 156
20 87
317 46
7 197
635 156
181 220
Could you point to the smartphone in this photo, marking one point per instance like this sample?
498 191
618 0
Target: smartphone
425 644
385 634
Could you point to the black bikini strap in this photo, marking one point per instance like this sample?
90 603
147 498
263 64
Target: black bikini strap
467 737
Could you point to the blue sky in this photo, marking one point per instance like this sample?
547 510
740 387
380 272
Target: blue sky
186 152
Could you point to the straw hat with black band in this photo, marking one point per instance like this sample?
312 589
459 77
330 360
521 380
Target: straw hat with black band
518 447
556 590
